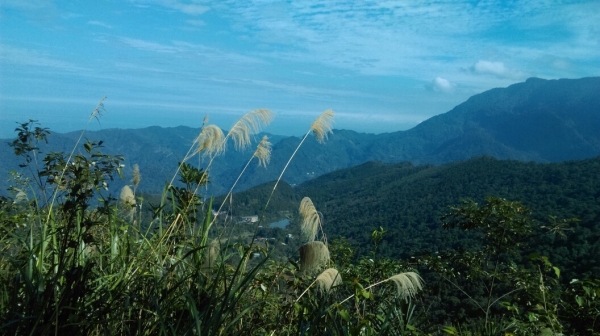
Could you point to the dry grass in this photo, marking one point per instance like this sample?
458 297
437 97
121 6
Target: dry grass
311 219
137 177
313 255
263 152
327 279
252 122
323 125
407 284
210 141
127 196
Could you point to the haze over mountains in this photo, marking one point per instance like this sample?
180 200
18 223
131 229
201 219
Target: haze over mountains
537 120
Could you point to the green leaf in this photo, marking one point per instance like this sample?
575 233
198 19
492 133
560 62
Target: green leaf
450 330
366 294
556 271
344 315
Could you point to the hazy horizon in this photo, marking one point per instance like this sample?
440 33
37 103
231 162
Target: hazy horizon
381 66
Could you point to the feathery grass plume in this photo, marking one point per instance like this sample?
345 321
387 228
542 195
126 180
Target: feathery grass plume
311 219
320 126
407 284
97 112
313 255
20 197
250 123
211 253
329 278
210 140
127 196
137 177
263 152
323 125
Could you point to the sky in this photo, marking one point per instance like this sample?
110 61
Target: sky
382 66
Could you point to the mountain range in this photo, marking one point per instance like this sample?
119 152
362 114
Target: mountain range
537 120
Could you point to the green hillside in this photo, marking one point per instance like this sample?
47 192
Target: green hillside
408 201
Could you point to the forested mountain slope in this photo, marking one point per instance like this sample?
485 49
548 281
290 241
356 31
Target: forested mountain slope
538 120
408 201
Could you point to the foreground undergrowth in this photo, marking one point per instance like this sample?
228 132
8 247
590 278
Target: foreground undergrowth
75 259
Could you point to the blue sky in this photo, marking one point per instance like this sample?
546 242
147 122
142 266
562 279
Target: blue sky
381 65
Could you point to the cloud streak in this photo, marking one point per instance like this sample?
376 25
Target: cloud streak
497 69
415 39
99 24
28 57
186 7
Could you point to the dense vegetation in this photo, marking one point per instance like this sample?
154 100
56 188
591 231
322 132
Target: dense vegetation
76 260
409 201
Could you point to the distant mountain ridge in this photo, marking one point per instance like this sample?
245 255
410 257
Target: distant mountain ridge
537 120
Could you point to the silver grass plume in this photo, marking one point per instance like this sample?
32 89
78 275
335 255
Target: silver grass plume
263 152
407 284
97 112
329 278
127 196
211 253
250 123
313 255
137 177
263 155
210 141
311 219
323 125
20 197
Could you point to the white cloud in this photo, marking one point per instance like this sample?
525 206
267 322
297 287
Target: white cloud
100 24
30 57
197 23
418 40
186 7
191 9
149 46
440 84
497 69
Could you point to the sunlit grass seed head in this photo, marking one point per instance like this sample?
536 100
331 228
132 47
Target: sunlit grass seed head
327 279
20 197
263 151
127 196
210 141
310 219
137 177
323 125
251 123
99 110
407 284
313 255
